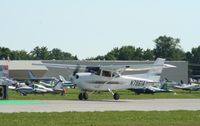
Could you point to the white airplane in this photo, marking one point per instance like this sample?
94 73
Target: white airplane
65 82
7 81
40 89
109 77
189 87
28 89
151 89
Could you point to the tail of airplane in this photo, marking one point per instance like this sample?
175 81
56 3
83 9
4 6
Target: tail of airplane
158 71
58 85
62 78
30 74
155 74
164 86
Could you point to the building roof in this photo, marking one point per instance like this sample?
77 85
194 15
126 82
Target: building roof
23 65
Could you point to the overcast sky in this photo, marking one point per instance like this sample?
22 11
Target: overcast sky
88 28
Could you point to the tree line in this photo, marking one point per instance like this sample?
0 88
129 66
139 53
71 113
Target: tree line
38 53
165 47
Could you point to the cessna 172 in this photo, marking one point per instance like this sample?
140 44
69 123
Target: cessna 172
109 77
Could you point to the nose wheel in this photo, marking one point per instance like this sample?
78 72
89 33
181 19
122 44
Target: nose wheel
83 96
116 96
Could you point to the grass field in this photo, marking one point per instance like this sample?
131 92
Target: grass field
127 118
124 94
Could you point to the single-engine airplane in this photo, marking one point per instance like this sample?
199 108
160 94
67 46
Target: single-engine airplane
109 77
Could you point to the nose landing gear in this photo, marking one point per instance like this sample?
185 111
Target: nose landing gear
116 96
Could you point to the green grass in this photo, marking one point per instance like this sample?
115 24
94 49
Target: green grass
127 118
124 94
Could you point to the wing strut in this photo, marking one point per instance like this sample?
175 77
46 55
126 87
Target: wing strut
111 91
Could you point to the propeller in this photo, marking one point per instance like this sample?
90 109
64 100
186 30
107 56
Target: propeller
73 76
76 69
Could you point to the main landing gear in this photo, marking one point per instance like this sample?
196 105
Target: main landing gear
83 96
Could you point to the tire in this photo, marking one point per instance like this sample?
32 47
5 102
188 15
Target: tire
62 93
80 96
116 96
85 96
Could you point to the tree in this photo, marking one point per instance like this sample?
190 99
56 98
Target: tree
126 53
112 55
40 53
20 55
138 54
169 48
195 55
58 54
4 53
55 54
148 54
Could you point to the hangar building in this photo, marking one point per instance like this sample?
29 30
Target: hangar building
18 69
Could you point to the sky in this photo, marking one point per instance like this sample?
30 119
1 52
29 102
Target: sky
88 28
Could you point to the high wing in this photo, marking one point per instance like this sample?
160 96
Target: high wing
138 67
159 63
67 66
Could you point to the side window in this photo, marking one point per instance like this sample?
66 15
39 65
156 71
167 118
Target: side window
106 73
115 74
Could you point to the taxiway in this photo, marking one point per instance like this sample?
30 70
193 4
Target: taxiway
103 105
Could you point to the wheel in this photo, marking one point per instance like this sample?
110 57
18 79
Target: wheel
85 96
23 94
62 93
137 93
80 96
116 96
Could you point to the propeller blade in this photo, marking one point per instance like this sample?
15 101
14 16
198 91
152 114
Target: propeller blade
76 70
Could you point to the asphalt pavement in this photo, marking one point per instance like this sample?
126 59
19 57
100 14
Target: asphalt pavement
100 105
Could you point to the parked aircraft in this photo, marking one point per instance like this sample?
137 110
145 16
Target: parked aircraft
109 77
37 88
189 87
7 81
151 89
52 80
30 89
65 82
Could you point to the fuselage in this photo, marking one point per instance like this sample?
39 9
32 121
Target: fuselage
92 82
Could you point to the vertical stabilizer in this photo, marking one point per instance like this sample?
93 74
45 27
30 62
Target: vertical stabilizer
58 85
158 62
62 79
155 74
30 74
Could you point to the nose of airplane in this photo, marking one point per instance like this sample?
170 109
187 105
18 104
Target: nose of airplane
75 79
